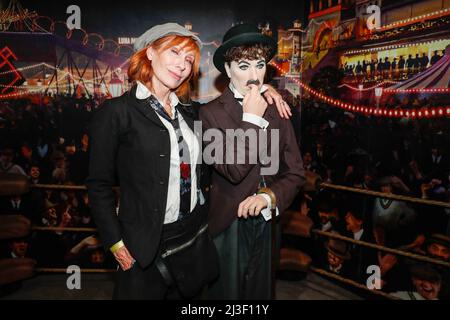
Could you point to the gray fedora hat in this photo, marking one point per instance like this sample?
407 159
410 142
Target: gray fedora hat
162 30
242 34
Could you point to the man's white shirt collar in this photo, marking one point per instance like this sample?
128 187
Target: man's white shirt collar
238 95
327 226
358 235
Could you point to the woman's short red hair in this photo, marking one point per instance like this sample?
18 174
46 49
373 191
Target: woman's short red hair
140 68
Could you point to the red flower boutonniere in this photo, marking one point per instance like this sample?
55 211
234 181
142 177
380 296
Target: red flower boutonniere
185 170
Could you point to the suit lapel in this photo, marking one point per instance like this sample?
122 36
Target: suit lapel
144 108
187 114
234 109
189 117
231 106
269 114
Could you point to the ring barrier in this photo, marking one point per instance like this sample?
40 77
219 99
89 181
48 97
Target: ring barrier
14 226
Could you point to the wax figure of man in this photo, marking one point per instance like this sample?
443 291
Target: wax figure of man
242 194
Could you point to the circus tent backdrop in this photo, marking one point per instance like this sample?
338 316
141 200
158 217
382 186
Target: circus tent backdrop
435 79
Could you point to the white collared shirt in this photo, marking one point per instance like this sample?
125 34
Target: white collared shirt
358 235
173 194
263 124
327 226
250 117
335 269
436 159
42 150
16 204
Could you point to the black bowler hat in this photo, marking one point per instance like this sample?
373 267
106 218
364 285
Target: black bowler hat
242 34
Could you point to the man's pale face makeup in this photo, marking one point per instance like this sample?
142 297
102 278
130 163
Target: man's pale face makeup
244 72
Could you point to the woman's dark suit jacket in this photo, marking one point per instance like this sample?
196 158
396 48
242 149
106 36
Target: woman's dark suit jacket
130 147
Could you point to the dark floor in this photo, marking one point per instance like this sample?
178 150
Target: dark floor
100 286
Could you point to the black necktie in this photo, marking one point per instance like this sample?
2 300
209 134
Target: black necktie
185 167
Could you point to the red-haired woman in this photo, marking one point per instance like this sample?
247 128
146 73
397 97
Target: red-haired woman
145 141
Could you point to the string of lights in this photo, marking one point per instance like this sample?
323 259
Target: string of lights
367 89
18 94
393 46
79 79
41 88
22 69
286 38
55 85
355 80
372 110
424 90
211 43
431 15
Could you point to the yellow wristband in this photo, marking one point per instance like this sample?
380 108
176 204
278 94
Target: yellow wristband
270 193
117 246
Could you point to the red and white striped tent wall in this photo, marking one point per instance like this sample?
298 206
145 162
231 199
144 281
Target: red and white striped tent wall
436 79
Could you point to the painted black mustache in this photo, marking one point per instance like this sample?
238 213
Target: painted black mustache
255 82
